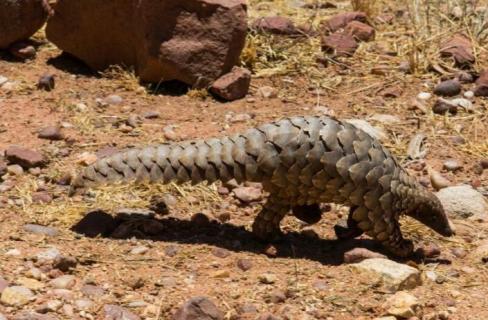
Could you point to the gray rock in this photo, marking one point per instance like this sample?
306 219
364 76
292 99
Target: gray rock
51 133
394 276
84 304
48 255
114 99
198 308
38 229
463 201
92 291
113 312
448 88
452 165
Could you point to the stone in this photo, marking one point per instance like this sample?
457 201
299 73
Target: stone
48 255
198 308
22 50
151 115
51 133
15 170
38 229
392 275
402 304
267 278
267 92
139 250
359 254
248 194
42 197
463 103
92 291
451 165
462 201
220 253
424 96
24 157
20 19
46 82
448 88
16 296
113 99
31 284
113 312
84 304
459 48
277 296
360 31
481 89
64 263
391 92
192 41
63 282
469 94
443 106
244 264
438 181
339 44
341 20
233 85
275 25
3 80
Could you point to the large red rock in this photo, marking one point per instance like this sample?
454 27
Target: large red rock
193 41
341 20
458 47
339 44
20 19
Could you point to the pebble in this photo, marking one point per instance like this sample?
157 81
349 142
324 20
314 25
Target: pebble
462 201
220 253
267 278
169 133
34 273
171 251
62 294
459 252
394 276
267 92
443 106
16 296
403 305
430 250
51 133
3 284
233 85
87 158
38 229
92 291
139 250
151 114
48 255
240 117
46 82
438 181
220 274
63 282
452 165
15 170
463 103
244 264
133 121
13 253
31 284
2 317
198 308
320 285
113 99
360 254
41 197
50 306
448 88
277 296
248 194
3 80
424 96
469 94
84 304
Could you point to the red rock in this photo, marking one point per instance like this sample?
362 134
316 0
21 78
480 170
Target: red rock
233 85
392 92
22 50
276 25
51 133
42 197
46 82
198 308
248 194
360 254
339 44
20 19
193 41
244 264
482 84
459 48
24 157
360 31
342 19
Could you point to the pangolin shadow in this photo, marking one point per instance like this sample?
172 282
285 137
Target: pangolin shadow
228 236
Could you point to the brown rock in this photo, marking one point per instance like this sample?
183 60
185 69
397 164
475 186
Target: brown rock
198 308
24 157
482 84
484 163
42 197
269 316
430 250
244 264
392 92
342 19
46 82
360 254
459 48
51 133
233 85
339 44
360 31
193 41
221 253
22 50
20 19
448 88
248 194
276 25
442 106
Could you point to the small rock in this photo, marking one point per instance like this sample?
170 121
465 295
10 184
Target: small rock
405 67
200 219
84 304
360 31
198 308
463 103
392 92
24 157
151 114
438 181
31 284
460 49
35 273
16 296
51 133
424 96
92 291
275 25
64 263
42 197
3 80
431 275
248 194
463 201
125 128
114 99
277 296
402 304
459 252
13 253
63 282
341 20
339 44
430 251
465 77
221 274
394 276
133 121
2 317
267 92
46 82
15 170
139 250
268 316
171 251
48 255
246 308
169 133
87 158
221 253
452 165
22 50
267 278
113 312
233 85
50 306
469 94
240 117
484 163
481 89
360 254
448 88
320 285
38 229
244 264
3 284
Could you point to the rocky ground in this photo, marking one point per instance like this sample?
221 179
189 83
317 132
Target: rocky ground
183 252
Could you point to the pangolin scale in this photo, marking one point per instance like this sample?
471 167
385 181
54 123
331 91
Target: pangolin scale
301 162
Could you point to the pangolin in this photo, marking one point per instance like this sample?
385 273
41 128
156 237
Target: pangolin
301 162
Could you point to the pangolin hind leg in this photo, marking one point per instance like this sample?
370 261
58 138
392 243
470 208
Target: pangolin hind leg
266 225
310 214
348 229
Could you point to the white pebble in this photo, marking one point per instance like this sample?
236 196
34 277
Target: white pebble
469 94
424 96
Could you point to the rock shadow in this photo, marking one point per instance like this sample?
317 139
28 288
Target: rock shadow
71 64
